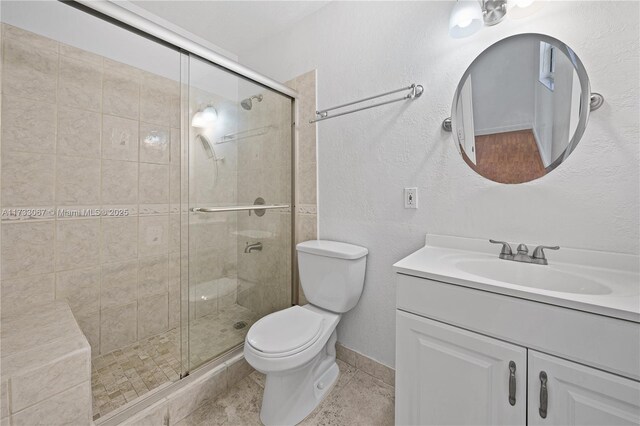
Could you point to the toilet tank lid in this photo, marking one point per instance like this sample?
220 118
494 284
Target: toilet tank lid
332 249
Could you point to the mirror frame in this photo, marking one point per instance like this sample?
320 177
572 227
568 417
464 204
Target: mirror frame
585 99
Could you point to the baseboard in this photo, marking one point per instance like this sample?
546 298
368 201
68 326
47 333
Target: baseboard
366 364
503 129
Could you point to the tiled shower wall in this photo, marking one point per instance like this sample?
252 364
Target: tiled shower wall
264 170
212 182
80 131
306 179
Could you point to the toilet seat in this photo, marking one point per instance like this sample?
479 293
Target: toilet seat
285 332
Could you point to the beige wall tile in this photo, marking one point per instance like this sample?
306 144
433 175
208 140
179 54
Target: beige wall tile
28 125
209 264
174 309
29 39
27 179
203 389
119 239
119 284
118 327
4 400
174 184
79 132
72 406
27 249
227 292
80 55
77 181
33 386
154 183
119 138
307 142
174 233
153 315
28 71
154 143
18 293
119 182
80 287
80 84
154 415
155 99
153 235
306 228
238 370
153 275
121 90
89 323
307 186
76 243
345 354
206 307
174 290
175 145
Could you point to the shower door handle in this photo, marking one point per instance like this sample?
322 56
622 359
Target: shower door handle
239 208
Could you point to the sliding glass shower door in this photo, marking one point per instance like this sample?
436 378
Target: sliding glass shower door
239 155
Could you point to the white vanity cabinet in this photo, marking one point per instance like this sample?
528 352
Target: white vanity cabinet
579 395
447 375
455 346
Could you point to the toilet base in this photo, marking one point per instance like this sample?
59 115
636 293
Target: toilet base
290 396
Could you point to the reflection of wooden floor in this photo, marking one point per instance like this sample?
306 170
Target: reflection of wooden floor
510 157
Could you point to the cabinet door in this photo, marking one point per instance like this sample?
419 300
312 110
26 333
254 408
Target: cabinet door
446 375
579 395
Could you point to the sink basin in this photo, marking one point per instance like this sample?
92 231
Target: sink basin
533 276
598 282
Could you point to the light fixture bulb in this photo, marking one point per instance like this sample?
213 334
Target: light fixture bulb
521 3
465 23
465 19
522 8
205 118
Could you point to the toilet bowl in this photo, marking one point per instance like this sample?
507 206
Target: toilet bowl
295 347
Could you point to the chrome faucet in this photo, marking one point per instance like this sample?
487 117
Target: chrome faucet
253 247
522 255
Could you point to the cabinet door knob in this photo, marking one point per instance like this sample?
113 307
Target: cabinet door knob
512 383
543 395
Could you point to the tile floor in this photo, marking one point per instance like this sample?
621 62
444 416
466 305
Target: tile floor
356 399
128 373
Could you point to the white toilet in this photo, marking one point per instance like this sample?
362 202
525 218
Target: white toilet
295 347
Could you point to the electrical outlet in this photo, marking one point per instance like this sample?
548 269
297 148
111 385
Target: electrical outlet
411 198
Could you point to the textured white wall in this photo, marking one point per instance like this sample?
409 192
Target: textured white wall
366 159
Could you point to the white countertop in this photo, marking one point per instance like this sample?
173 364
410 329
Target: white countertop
614 279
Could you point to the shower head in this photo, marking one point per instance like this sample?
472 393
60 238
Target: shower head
248 103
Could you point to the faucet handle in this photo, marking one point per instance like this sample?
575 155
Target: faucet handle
506 248
522 248
538 252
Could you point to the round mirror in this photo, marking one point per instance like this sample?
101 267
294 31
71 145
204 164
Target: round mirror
521 108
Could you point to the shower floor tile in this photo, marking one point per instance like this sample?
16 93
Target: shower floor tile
128 373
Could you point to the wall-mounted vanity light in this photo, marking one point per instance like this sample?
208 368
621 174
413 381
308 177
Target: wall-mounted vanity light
469 16
205 118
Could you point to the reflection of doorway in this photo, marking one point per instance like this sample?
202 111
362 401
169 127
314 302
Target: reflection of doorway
467 138
509 157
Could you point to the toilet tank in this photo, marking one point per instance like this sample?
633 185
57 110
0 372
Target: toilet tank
332 273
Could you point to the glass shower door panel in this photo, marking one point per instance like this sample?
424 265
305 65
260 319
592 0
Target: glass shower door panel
240 149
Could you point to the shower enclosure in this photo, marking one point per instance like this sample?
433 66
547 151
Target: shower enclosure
239 156
149 188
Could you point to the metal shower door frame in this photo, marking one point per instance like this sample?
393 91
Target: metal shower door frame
127 19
